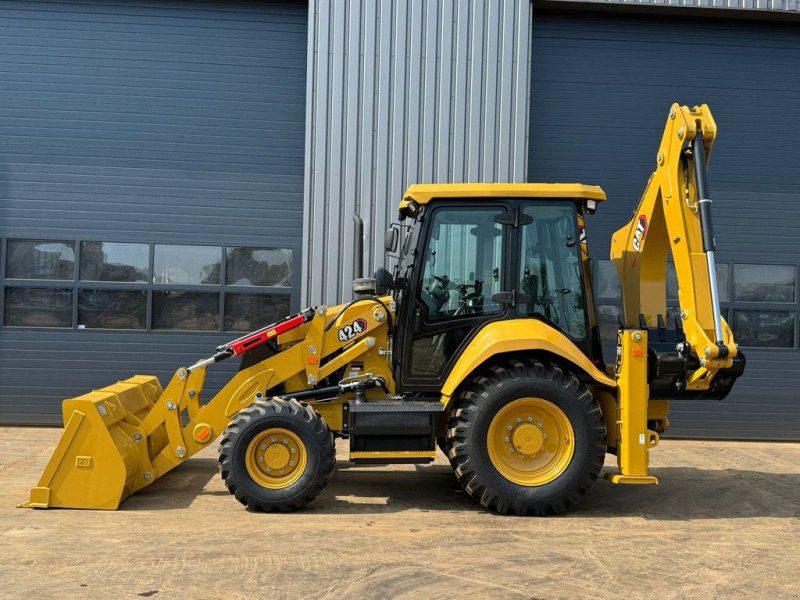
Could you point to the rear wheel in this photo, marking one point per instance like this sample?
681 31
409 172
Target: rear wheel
276 455
526 437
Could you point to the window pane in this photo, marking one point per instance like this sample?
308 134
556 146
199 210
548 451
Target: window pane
763 283
766 328
723 282
192 311
462 264
430 353
38 307
187 264
40 259
608 318
551 267
247 312
606 283
112 309
113 261
259 266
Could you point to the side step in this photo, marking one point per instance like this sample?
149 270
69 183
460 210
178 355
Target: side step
393 431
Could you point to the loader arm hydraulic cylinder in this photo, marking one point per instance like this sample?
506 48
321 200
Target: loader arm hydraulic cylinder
257 338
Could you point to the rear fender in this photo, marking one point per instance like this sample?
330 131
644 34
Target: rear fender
518 336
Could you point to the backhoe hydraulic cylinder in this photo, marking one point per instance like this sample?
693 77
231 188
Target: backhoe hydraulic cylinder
707 232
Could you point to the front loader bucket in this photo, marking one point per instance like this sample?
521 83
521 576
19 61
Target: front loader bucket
102 451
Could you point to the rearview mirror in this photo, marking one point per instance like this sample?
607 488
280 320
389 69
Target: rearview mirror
390 241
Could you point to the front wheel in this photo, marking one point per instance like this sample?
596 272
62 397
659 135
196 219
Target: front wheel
276 455
526 437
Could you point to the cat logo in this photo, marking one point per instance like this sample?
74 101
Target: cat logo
638 235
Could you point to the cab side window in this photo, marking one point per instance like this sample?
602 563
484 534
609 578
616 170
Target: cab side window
550 269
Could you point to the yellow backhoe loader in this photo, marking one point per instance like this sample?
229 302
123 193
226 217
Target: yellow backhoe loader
483 341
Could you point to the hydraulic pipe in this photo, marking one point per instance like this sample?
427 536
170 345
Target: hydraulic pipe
707 232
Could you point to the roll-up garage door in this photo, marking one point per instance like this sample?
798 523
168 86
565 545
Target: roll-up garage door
151 181
601 88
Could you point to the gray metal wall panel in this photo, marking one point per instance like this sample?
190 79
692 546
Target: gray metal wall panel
601 87
759 5
144 121
401 93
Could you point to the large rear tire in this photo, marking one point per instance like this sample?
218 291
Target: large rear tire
526 437
276 455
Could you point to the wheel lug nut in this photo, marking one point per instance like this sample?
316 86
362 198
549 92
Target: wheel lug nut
294 451
530 419
544 435
260 459
518 420
522 456
291 463
285 440
510 449
539 425
509 427
280 470
505 439
263 446
269 468
273 440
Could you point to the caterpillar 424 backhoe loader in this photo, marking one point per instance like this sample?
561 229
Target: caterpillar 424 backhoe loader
483 341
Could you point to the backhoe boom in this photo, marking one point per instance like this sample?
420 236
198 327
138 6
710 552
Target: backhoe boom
674 217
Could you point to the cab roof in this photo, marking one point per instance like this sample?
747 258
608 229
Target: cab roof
424 193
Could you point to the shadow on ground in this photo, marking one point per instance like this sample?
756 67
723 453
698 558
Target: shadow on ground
685 493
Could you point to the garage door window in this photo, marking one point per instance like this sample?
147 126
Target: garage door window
37 307
759 302
187 265
140 286
112 309
40 259
258 266
112 261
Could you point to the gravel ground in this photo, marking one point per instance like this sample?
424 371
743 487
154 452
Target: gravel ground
724 523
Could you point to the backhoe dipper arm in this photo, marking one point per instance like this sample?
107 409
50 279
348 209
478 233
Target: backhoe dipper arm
674 216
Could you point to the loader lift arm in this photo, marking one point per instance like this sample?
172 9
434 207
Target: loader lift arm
133 432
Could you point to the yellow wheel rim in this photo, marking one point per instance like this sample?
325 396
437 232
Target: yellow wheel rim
530 441
276 458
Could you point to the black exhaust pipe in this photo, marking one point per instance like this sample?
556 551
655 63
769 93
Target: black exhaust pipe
358 247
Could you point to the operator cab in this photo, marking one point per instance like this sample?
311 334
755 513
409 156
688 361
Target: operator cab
478 253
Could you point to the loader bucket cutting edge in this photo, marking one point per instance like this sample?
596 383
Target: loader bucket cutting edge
98 461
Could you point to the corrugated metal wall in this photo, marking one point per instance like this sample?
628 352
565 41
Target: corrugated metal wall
399 93
138 121
601 86
765 5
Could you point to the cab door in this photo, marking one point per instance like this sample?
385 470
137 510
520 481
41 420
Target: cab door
461 262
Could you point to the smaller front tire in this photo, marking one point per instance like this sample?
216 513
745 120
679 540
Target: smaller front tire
276 455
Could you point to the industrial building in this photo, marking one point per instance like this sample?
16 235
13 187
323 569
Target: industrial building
174 172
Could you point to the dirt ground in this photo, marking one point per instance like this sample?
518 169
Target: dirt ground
724 523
